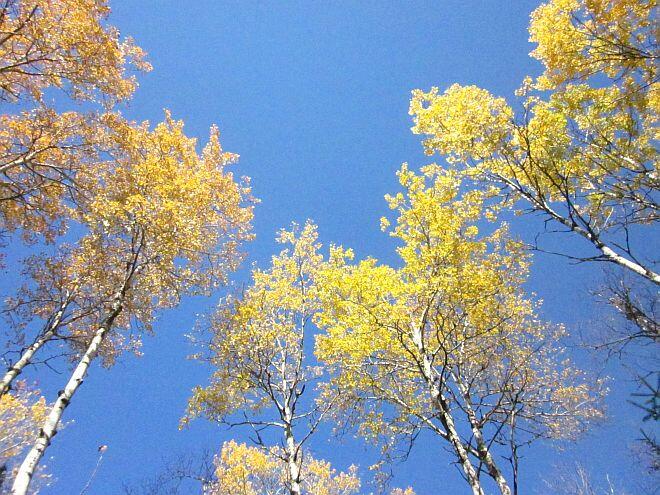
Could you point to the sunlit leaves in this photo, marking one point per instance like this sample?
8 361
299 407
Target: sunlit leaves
245 470
259 338
583 147
454 315
20 412
64 44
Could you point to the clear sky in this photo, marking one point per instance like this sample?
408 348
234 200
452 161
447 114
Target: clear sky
314 97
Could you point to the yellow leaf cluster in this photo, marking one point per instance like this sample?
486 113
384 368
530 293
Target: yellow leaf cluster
456 304
22 411
64 44
175 216
40 153
588 146
251 471
259 338
579 38
463 122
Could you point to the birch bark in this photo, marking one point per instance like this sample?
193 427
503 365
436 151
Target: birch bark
482 449
607 252
17 368
441 405
49 428
293 462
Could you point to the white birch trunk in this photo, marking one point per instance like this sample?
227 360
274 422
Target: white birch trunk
626 263
17 368
293 465
49 427
482 449
292 452
607 252
446 418
455 440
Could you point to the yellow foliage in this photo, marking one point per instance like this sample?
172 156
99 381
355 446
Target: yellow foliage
41 151
463 122
64 44
454 313
172 218
243 470
259 338
179 215
583 149
21 413
579 38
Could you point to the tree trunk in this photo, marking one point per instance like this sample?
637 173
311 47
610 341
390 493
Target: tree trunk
607 252
461 452
49 428
441 405
292 455
484 453
17 368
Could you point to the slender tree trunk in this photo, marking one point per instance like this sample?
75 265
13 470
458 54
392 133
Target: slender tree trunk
292 454
49 427
17 368
461 452
606 251
484 453
441 405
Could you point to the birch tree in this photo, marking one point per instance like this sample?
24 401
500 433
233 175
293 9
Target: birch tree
65 48
245 470
259 351
164 222
49 300
449 342
582 150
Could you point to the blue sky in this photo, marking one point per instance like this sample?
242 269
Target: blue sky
314 97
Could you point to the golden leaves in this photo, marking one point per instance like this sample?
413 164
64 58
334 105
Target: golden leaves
65 44
21 412
577 39
587 145
178 215
262 333
253 471
455 309
465 122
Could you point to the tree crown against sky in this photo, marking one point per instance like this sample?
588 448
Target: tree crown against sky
444 348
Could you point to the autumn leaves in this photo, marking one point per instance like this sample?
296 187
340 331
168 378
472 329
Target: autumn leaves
125 219
149 218
447 342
